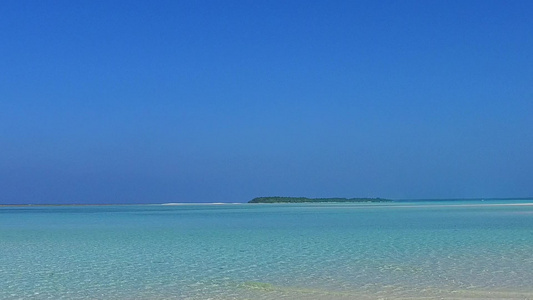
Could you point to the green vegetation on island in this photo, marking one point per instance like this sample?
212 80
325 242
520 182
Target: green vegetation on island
313 200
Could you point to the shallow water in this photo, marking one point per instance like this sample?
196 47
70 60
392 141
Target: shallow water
419 250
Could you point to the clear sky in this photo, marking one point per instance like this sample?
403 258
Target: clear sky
223 101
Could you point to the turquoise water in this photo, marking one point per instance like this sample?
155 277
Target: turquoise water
447 250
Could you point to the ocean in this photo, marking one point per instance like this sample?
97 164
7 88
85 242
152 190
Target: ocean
398 250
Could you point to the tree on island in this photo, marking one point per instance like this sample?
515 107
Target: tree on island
278 199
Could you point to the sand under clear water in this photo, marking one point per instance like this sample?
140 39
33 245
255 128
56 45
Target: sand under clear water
418 250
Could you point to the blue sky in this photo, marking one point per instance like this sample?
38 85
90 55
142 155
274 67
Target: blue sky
223 101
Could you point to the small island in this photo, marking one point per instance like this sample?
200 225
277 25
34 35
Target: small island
313 200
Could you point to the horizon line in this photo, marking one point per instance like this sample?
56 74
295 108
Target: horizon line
220 203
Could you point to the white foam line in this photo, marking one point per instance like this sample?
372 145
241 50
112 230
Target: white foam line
194 203
469 205
431 205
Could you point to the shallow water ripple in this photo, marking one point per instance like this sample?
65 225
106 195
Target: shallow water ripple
268 252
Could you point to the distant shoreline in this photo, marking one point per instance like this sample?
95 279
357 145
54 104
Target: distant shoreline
278 199
314 200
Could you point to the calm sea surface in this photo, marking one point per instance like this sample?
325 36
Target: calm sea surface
447 250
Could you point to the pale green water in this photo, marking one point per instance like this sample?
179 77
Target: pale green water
446 250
